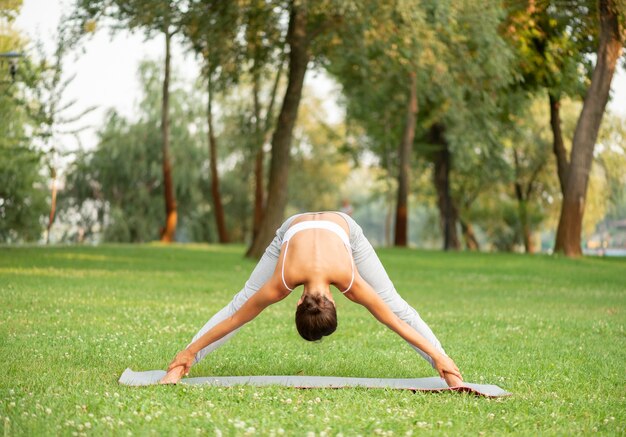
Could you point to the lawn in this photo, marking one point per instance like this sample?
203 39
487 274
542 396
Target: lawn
548 329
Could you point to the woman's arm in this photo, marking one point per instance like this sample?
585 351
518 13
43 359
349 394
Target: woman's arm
363 294
268 294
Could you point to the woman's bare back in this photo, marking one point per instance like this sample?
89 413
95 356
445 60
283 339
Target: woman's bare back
317 255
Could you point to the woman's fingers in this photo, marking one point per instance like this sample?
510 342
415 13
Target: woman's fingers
175 363
456 373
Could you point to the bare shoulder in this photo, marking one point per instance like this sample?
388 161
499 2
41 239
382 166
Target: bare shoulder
361 291
274 289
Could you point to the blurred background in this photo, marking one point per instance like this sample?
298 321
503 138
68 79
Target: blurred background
467 125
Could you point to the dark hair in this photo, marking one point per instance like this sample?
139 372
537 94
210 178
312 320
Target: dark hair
315 317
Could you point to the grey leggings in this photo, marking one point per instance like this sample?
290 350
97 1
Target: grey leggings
368 265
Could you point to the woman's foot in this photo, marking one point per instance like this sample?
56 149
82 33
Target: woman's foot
173 376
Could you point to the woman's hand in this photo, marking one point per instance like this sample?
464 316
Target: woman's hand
173 376
448 370
184 359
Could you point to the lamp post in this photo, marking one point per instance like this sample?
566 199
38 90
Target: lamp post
11 57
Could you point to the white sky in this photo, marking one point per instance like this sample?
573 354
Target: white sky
106 73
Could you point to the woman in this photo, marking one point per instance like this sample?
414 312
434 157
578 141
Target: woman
318 250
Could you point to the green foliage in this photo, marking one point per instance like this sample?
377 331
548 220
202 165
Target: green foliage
123 176
460 62
611 157
549 330
9 9
519 173
318 166
553 44
22 186
22 193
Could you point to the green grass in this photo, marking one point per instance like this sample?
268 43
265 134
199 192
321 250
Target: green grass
550 330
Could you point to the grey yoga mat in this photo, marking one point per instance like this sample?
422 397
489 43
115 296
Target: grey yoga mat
150 377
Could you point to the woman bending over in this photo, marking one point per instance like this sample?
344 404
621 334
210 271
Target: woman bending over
318 250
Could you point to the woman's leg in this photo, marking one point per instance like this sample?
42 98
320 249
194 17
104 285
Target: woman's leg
371 269
260 275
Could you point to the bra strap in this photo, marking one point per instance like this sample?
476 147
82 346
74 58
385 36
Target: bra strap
352 265
282 273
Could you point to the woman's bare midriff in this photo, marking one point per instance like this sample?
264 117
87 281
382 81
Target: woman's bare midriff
318 255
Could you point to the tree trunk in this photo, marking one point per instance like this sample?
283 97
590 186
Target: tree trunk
404 154
281 139
471 242
168 232
441 178
522 208
568 238
263 136
259 193
558 147
53 203
222 232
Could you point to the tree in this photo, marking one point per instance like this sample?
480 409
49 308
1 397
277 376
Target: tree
568 238
318 162
38 120
453 48
22 194
553 47
22 187
299 37
211 27
556 47
162 17
53 113
128 155
528 147
265 46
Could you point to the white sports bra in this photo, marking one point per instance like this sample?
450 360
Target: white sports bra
317 224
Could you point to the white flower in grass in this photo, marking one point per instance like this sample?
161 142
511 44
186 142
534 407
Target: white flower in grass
87 425
48 410
280 431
